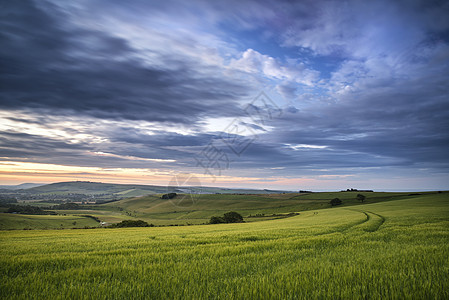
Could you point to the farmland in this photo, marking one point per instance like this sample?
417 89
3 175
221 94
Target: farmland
395 248
195 209
11 221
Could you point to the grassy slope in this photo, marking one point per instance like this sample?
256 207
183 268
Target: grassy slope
94 188
127 190
395 249
16 221
199 208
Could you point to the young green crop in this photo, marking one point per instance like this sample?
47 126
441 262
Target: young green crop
395 249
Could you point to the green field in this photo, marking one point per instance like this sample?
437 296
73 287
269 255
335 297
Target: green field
395 249
198 209
16 221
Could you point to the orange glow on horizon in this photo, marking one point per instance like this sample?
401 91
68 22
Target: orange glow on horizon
15 172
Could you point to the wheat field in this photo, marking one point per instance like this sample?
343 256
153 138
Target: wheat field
388 250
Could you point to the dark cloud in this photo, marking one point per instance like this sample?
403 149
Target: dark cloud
382 105
22 146
47 63
405 124
37 149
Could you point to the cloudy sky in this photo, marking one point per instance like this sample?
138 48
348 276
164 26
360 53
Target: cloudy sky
293 95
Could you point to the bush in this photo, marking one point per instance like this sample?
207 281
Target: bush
131 223
229 217
28 210
67 206
168 196
216 220
336 201
233 217
361 197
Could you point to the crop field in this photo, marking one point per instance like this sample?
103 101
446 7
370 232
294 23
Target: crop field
15 221
395 249
184 210
187 209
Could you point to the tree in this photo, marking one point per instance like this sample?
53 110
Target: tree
168 196
233 217
68 206
336 201
28 210
132 223
361 197
229 217
216 220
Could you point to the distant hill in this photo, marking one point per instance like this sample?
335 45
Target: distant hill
20 186
132 190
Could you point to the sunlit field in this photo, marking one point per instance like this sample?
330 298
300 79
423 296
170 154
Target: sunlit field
394 249
182 210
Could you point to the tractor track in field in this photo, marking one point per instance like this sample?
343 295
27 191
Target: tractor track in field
382 221
347 227
374 223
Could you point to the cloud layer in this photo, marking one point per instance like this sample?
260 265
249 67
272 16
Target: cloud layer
362 87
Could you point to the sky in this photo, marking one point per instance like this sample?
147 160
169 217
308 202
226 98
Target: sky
311 95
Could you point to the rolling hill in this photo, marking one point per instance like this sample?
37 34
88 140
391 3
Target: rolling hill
20 186
131 190
197 209
145 202
192 209
395 249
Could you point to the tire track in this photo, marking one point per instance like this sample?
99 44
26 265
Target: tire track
372 222
379 223
358 223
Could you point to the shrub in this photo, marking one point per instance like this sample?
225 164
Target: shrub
168 196
336 201
233 217
216 220
361 197
131 223
28 210
67 206
229 217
